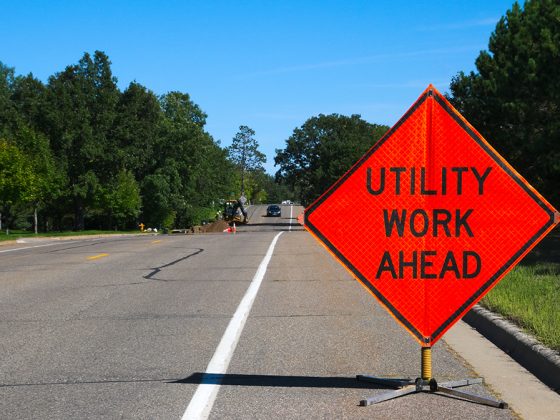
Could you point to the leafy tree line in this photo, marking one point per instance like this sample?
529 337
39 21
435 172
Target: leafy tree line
513 99
321 151
80 153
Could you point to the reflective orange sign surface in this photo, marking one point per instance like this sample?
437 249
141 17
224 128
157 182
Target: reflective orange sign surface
430 218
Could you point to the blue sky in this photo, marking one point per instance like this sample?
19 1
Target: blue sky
270 65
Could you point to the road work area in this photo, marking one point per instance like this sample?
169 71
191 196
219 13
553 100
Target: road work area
137 331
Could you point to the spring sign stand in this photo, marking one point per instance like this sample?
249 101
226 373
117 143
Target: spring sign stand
426 383
447 206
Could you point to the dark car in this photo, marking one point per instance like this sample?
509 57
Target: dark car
273 211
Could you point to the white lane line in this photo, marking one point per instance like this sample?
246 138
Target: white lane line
291 214
203 399
28 247
58 242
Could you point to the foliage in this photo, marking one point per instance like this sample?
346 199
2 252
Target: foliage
530 296
514 97
202 172
90 155
264 189
7 110
123 199
160 197
244 153
18 182
322 150
79 115
136 130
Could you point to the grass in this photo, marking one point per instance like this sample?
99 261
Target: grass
530 297
19 234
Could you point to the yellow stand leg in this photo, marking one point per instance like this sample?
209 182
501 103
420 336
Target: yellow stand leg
426 363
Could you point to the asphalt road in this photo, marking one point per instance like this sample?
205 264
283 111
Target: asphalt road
126 327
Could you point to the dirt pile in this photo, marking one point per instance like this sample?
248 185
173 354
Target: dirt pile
217 226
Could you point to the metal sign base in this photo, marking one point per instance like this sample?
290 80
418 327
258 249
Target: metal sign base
426 384
410 386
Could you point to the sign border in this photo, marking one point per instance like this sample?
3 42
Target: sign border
496 157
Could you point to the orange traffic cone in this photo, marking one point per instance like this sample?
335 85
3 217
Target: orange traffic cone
231 229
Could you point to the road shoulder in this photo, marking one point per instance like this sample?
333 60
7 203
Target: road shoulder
538 359
525 394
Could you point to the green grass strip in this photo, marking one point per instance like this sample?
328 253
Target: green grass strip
530 297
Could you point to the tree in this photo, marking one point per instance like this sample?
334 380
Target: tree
21 100
322 150
48 181
136 130
95 155
202 167
244 153
179 108
8 112
28 98
123 200
514 97
80 103
161 196
267 190
18 182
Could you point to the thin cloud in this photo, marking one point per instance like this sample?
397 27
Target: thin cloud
275 116
416 84
360 60
458 25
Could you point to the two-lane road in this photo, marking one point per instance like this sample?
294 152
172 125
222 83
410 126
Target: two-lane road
127 327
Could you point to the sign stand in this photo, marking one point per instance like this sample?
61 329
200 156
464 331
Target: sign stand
426 383
440 204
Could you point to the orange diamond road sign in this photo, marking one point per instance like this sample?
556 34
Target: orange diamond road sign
430 218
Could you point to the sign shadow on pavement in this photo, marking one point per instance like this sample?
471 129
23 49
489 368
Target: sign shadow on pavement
446 219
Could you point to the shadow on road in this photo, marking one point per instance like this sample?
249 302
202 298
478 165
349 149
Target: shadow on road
276 381
156 270
279 224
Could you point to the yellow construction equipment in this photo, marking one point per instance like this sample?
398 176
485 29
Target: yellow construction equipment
234 212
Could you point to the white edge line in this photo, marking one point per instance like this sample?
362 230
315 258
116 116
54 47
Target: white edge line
28 247
203 399
58 242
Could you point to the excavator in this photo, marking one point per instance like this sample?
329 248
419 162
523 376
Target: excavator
234 212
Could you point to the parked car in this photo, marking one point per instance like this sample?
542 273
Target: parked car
273 211
290 202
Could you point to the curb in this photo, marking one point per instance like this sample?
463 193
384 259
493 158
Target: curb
538 359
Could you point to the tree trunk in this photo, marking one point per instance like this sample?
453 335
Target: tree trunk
35 219
0 220
78 216
243 163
